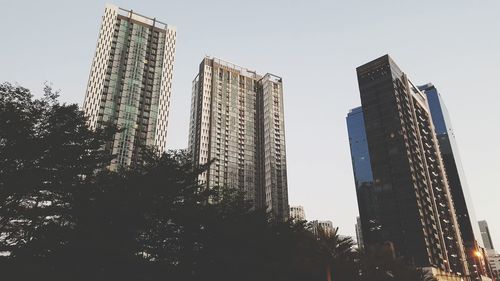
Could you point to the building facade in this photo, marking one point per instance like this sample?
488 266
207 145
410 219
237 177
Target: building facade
130 82
359 234
325 227
360 154
405 200
237 120
485 234
456 180
297 213
360 157
494 260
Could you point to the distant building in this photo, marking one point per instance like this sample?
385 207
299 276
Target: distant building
495 265
318 227
485 234
130 82
237 120
401 185
359 234
297 213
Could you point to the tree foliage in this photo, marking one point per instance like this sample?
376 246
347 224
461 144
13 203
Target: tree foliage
64 216
47 153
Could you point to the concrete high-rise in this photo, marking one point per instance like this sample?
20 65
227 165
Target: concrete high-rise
237 120
130 82
404 198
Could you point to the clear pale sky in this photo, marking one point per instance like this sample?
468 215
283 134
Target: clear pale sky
315 46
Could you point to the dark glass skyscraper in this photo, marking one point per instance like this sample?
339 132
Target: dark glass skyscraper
456 176
407 202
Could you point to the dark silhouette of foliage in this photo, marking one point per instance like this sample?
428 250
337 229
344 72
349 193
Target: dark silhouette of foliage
380 264
64 216
47 153
338 255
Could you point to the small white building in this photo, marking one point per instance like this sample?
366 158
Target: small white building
297 213
325 226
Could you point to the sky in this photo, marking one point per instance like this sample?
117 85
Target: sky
315 46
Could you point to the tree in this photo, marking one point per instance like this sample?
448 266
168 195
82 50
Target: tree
47 152
64 216
339 256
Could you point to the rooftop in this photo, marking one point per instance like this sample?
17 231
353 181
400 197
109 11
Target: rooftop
139 17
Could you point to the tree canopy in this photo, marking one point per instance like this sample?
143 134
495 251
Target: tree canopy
64 216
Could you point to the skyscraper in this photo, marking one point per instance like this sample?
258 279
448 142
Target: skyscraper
359 234
130 82
485 234
456 178
237 120
406 200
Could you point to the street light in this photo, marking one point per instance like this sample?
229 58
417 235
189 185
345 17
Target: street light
479 264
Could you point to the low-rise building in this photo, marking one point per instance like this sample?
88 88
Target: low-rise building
326 227
494 259
297 213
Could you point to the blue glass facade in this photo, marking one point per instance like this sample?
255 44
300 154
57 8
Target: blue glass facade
363 176
452 163
359 147
438 110
454 171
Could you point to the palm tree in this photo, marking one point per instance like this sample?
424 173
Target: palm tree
338 255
